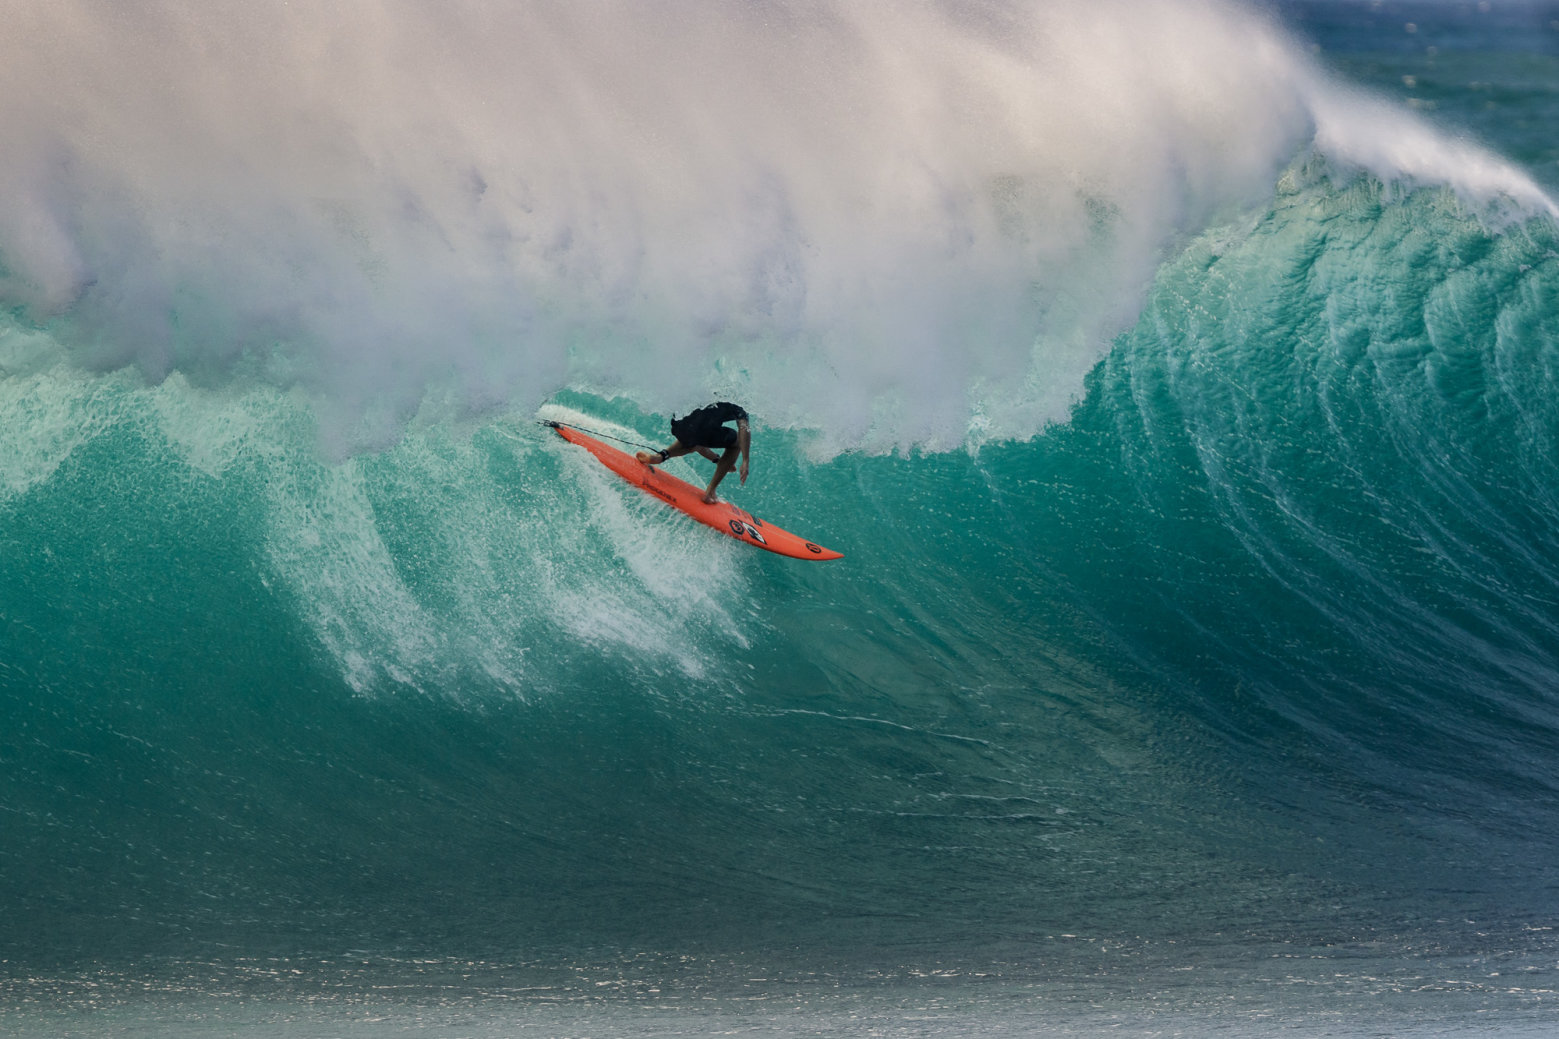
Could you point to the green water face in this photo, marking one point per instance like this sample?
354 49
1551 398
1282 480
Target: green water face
1240 635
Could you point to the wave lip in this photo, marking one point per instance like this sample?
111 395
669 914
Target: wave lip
1399 148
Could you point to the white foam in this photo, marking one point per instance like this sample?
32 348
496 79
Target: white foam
324 542
48 415
1402 149
904 223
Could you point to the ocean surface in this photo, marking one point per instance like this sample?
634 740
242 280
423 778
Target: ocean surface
1181 382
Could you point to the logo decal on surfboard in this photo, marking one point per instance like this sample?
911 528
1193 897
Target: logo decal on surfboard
740 527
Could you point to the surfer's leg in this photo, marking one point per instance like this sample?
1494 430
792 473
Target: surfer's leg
676 450
726 463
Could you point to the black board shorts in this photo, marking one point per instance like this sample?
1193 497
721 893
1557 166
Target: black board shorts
706 427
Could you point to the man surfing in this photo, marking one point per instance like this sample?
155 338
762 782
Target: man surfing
703 431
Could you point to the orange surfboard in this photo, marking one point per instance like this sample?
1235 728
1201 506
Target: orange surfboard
683 496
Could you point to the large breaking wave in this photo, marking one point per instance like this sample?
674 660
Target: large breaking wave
1234 623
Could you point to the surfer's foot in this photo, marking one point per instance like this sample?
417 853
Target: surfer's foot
650 457
710 499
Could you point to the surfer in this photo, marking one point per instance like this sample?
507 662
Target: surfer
703 431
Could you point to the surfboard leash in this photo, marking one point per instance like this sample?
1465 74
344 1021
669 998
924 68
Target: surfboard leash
595 433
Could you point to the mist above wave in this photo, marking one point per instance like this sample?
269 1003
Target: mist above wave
903 223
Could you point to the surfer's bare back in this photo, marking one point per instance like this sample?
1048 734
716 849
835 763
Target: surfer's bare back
703 431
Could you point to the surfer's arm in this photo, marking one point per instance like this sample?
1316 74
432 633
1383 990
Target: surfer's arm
744 442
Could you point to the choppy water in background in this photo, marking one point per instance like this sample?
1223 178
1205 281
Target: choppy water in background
1186 418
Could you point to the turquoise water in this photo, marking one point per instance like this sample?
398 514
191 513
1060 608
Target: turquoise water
1192 665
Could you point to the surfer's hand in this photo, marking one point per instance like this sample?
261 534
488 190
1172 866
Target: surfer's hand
744 471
